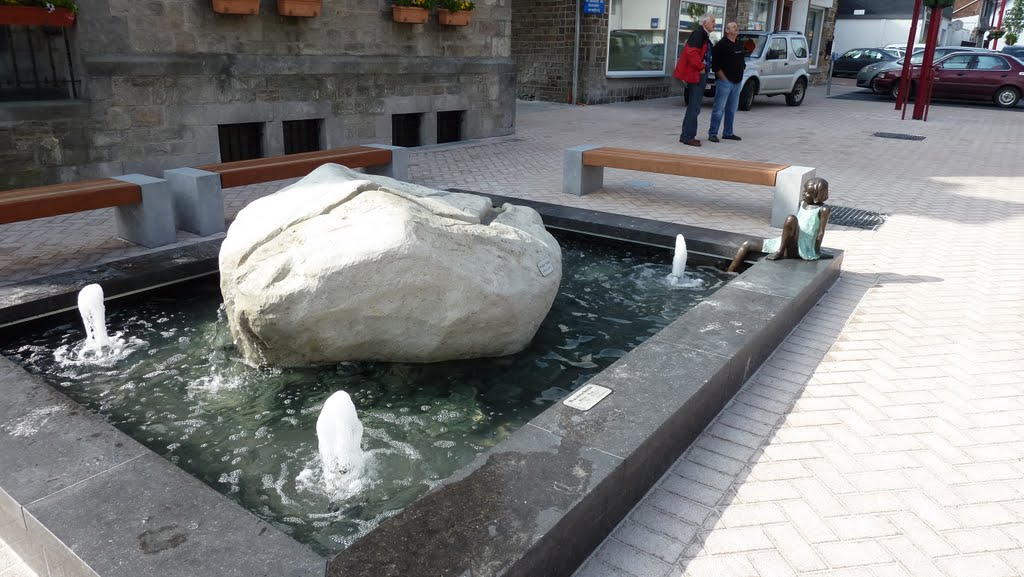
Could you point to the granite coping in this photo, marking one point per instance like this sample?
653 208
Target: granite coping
78 497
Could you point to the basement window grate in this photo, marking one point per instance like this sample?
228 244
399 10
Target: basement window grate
856 218
301 135
449 126
897 136
240 141
405 129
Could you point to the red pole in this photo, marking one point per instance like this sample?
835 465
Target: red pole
1002 8
924 88
905 78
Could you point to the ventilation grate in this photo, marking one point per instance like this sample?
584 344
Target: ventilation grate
856 218
897 136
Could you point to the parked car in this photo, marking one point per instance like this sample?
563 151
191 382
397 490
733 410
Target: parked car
968 76
776 65
900 48
867 75
851 61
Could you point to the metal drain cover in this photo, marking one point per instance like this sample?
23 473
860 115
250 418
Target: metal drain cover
856 218
897 136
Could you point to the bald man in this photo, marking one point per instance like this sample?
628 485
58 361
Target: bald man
728 60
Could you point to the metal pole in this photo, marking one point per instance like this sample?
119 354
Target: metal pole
828 83
924 88
902 96
576 58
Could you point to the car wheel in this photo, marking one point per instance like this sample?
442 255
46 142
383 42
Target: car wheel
747 95
894 92
874 86
1007 97
796 97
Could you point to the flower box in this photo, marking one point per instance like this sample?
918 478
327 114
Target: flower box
36 16
236 6
301 8
448 18
409 14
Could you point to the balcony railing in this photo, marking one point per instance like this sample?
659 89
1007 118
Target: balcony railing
36 64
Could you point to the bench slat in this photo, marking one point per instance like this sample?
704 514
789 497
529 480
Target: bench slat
762 173
43 201
245 172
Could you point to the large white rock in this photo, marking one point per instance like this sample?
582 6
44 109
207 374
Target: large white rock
345 266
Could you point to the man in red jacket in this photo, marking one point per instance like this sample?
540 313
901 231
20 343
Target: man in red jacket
691 69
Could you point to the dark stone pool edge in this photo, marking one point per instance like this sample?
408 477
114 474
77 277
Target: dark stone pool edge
536 504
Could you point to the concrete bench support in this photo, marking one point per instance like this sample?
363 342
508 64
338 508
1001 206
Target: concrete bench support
399 167
151 222
577 178
789 186
198 200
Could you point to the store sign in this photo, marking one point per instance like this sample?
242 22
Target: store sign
593 6
655 22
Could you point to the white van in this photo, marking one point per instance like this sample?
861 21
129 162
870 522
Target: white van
901 48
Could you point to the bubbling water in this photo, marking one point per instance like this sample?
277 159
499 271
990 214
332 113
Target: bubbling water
90 306
340 435
678 278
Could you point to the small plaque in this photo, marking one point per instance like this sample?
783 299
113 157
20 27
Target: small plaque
593 6
585 397
545 267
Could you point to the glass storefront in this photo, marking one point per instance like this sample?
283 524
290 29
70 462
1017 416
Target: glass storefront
636 37
815 17
689 19
761 17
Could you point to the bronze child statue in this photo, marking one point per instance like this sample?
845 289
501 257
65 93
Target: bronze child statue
801 233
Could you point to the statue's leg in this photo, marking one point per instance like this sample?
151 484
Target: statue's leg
787 246
741 254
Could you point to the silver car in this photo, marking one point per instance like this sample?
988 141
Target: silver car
869 74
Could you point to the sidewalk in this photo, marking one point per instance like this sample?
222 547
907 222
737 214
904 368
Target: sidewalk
885 436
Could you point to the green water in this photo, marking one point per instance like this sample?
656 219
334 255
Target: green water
179 388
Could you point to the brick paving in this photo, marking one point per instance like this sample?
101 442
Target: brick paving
885 435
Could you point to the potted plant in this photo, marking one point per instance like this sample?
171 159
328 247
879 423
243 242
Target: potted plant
236 6
411 11
454 12
38 12
302 8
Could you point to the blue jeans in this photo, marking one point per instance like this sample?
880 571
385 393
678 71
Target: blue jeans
695 94
727 98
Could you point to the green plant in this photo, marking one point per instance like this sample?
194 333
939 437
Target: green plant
995 33
938 3
1010 39
1014 21
456 5
68 4
428 4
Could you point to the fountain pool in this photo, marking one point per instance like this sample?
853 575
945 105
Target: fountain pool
179 388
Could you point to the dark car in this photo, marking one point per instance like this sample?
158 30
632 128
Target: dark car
968 76
1014 50
867 75
853 60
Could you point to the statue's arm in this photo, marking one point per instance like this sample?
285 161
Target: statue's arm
823 214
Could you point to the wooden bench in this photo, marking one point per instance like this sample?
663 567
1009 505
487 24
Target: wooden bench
198 192
144 211
584 172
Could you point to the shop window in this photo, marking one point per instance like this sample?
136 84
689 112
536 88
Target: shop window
636 38
815 18
405 129
761 17
690 14
301 135
240 141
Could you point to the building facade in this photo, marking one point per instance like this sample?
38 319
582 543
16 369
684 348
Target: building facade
144 86
878 23
565 53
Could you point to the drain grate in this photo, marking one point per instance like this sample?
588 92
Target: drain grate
897 136
856 218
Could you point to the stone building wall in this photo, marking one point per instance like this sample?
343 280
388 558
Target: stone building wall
159 76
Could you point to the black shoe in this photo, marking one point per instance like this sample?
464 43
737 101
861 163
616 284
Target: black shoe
713 138
731 137
693 142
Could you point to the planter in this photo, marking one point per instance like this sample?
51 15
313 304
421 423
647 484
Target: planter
409 14
236 6
460 18
36 16
301 8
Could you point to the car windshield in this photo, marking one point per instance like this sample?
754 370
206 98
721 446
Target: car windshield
753 44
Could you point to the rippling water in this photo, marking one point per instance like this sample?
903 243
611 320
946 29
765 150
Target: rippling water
178 386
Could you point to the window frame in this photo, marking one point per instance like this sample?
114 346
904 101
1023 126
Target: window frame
814 36
609 73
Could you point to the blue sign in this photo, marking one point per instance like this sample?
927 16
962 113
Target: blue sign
655 22
593 6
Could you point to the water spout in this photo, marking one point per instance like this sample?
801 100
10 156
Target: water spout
90 306
340 435
679 258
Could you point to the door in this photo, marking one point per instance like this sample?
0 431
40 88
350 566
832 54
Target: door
992 72
847 63
951 78
775 74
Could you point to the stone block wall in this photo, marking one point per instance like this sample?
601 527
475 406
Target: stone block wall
159 76
543 36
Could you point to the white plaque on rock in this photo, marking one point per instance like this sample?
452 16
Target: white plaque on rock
545 267
585 397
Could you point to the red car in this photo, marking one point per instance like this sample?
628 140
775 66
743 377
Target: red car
967 76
